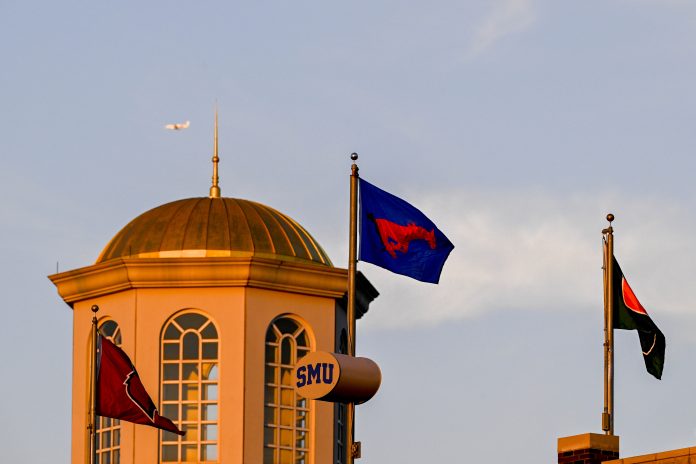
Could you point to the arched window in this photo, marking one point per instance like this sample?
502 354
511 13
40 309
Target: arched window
108 429
189 389
286 415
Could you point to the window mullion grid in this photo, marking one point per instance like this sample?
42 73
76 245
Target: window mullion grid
107 427
114 425
193 400
275 401
195 421
293 394
285 400
203 402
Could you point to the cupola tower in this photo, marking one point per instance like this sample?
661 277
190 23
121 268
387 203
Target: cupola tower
214 299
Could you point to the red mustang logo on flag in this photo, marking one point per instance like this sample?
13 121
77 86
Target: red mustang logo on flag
121 394
396 237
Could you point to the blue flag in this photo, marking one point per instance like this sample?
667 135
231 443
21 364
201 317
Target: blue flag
397 236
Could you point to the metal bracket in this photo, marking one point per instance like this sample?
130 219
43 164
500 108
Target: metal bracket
606 421
356 450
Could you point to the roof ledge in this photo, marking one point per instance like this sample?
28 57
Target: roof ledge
129 273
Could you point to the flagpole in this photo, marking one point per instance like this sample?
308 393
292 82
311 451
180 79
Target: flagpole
352 271
608 414
93 389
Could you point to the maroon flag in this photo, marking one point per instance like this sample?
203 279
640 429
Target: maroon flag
121 394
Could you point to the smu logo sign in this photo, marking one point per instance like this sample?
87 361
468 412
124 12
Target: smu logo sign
336 377
316 375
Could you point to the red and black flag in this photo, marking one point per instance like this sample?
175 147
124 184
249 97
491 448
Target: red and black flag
121 394
629 314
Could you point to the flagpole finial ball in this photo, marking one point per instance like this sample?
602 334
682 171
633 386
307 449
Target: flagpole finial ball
610 217
354 156
95 308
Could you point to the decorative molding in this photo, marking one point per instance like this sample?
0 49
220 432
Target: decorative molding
128 273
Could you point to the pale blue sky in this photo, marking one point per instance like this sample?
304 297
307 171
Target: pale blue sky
516 125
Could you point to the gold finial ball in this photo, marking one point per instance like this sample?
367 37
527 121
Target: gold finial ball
95 308
610 217
354 156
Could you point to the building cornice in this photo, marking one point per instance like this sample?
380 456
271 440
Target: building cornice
130 273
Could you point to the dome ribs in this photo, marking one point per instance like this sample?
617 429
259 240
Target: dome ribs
197 226
300 247
173 239
152 231
238 226
316 252
218 231
214 227
279 239
116 245
263 242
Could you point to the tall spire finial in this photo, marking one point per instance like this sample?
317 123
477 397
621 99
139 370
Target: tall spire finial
215 188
